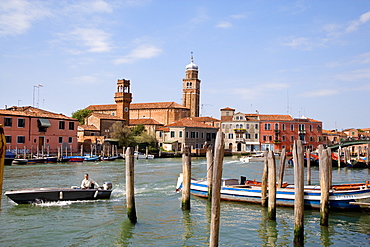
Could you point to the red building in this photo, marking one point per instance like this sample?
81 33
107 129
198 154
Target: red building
37 130
280 131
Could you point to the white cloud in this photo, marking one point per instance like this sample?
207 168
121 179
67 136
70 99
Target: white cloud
224 24
355 75
95 39
86 79
141 52
89 7
258 90
356 23
305 43
320 93
17 16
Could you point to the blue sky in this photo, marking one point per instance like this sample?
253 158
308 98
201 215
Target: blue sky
307 58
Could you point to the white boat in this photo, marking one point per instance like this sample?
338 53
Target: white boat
245 159
344 196
139 155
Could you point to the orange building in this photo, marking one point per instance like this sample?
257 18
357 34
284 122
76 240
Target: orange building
35 130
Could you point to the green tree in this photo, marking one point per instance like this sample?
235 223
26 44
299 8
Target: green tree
138 129
123 134
80 115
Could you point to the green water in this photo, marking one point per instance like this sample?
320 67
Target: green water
161 222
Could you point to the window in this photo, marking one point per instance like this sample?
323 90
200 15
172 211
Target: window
270 138
267 126
60 139
283 138
192 134
231 136
172 134
21 122
248 136
292 127
8 139
283 127
70 139
264 138
301 127
187 134
318 127
180 134
71 125
62 125
311 128
276 126
255 136
197 134
7 122
21 139
311 138
223 126
247 126
292 138
256 126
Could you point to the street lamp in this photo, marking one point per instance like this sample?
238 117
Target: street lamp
38 95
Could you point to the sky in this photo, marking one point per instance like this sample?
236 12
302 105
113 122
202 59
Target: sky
302 58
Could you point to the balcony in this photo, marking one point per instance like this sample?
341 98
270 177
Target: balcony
277 131
240 140
277 141
301 132
240 130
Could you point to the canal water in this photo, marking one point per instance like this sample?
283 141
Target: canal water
161 222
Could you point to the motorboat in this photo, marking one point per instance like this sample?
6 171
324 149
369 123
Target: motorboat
40 195
245 159
343 196
19 161
76 158
139 155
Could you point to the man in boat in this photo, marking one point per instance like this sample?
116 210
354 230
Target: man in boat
88 183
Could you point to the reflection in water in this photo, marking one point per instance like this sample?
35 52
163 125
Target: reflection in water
268 230
188 226
125 237
324 237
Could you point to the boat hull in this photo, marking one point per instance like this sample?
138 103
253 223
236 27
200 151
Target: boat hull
38 195
285 196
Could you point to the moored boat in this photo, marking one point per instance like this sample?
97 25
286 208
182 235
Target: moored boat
39 195
76 158
340 196
19 162
9 157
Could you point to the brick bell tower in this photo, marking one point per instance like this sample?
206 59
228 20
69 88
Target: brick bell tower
191 88
123 99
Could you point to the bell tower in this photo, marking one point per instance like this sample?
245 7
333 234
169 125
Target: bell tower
191 88
123 99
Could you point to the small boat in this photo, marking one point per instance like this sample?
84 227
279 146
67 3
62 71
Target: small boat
63 159
110 158
51 160
9 157
76 158
345 196
92 158
39 195
139 155
19 161
245 159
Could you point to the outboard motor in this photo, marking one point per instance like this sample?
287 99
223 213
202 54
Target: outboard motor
242 180
107 186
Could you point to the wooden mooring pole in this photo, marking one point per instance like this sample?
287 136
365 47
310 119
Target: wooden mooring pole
271 185
281 168
324 185
298 159
130 191
264 201
216 189
186 171
209 156
2 159
308 157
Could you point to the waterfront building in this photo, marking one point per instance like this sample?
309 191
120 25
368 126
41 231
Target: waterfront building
187 131
35 130
241 132
258 132
162 112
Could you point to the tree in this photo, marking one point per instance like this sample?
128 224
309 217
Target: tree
123 134
81 114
